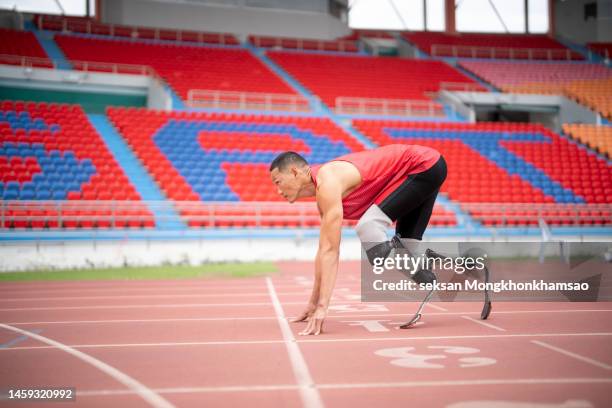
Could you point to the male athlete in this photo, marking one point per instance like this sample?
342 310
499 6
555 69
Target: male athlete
377 187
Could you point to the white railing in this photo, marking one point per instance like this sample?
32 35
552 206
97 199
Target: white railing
74 214
463 51
397 107
461 87
204 98
531 214
85 66
85 26
304 44
58 215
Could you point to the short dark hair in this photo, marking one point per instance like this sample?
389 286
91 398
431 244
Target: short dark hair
286 159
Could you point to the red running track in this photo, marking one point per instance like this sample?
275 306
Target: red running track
227 343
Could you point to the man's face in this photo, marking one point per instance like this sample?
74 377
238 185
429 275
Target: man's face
287 183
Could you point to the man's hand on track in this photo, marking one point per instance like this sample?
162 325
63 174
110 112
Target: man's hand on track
306 314
315 323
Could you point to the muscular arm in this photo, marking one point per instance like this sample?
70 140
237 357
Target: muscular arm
329 201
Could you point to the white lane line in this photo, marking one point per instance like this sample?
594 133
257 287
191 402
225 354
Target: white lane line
173 320
204 319
372 339
453 383
162 344
155 306
145 393
195 390
483 323
404 384
478 312
433 306
309 394
174 296
162 306
573 355
127 288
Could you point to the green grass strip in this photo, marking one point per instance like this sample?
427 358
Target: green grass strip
212 270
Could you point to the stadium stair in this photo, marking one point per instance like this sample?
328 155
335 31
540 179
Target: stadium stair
489 146
476 78
582 50
177 102
146 187
46 40
464 219
316 105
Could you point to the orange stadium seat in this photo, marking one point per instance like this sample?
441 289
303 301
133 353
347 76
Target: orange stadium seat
598 138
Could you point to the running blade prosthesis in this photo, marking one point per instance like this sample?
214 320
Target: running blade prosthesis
486 309
423 276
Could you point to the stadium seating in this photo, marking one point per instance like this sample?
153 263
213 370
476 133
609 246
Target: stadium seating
577 215
273 215
21 43
603 49
51 152
504 163
361 33
598 138
534 77
594 93
367 77
183 67
304 44
588 84
91 26
478 45
221 155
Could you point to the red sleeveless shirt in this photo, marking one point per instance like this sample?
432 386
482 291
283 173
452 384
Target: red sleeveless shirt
382 171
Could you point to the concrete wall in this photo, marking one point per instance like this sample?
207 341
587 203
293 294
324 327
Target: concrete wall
228 18
157 96
17 256
570 22
569 111
9 19
94 81
45 255
604 29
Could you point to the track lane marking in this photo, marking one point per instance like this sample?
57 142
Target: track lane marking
154 306
152 398
173 296
573 355
247 285
313 340
309 394
274 317
339 386
483 323
436 307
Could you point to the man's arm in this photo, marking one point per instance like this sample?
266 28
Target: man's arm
329 200
313 301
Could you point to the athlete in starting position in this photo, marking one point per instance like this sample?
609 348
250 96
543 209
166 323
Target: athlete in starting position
377 187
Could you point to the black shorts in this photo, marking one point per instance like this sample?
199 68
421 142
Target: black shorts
411 204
